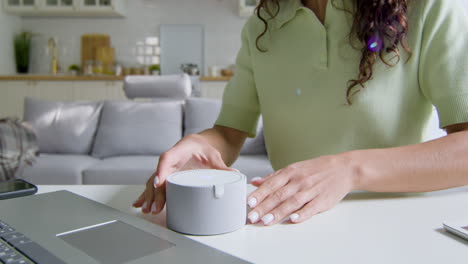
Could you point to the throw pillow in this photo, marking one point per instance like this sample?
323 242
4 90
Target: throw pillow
138 128
63 127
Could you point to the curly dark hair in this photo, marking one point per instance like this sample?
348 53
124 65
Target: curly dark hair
381 26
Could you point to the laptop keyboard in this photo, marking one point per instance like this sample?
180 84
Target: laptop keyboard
16 248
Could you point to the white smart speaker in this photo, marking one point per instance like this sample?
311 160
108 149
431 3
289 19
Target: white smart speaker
206 202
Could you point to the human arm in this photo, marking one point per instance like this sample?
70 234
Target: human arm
320 183
433 165
306 188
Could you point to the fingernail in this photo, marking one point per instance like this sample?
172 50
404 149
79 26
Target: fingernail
294 217
252 202
153 207
143 207
236 170
253 217
267 219
156 182
256 179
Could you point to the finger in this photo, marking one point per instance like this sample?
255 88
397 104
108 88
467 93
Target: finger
274 200
310 209
287 208
270 185
149 197
139 202
257 181
166 166
216 161
160 200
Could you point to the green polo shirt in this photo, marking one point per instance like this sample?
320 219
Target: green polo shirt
299 84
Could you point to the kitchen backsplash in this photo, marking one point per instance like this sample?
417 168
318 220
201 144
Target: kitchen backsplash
219 18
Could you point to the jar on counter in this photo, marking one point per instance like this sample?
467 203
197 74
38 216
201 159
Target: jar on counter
118 71
98 68
88 67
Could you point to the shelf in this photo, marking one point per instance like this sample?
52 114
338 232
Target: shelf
75 8
59 78
32 77
215 79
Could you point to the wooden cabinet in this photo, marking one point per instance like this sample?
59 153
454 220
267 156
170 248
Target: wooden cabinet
85 8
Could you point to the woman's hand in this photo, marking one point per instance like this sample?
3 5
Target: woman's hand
192 152
302 190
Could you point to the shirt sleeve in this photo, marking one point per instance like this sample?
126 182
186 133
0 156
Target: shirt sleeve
240 109
443 72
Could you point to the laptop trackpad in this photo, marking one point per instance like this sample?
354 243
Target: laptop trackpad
115 242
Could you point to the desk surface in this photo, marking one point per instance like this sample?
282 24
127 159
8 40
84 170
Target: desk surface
364 228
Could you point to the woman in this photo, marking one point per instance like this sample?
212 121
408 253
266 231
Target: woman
345 89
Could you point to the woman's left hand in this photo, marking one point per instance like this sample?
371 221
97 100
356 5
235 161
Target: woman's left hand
302 189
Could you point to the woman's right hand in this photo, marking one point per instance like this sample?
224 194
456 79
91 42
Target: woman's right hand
192 152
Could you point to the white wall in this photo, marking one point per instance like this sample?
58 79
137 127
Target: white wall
9 26
219 17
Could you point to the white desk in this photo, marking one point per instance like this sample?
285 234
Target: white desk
364 228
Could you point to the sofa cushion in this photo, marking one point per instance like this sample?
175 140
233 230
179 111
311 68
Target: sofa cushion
138 128
58 169
201 114
121 170
63 127
253 166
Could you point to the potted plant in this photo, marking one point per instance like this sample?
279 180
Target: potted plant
154 69
22 45
74 69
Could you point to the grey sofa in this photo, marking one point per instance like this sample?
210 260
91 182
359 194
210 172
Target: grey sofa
114 142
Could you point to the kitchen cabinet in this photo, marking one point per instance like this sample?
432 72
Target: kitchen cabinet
213 90
98 90
12 93
79 8
58 5
50 91
94 5
18 6
102 7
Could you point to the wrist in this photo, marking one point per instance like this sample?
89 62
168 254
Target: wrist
359 171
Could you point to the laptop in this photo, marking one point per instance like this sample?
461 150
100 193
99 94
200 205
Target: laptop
62 227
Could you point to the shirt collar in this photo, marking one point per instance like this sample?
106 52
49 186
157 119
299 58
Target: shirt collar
288 10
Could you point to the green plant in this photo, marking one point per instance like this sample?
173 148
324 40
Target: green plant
74 67
154 67
22 44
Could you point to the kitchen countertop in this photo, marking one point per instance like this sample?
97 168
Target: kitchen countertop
34 77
